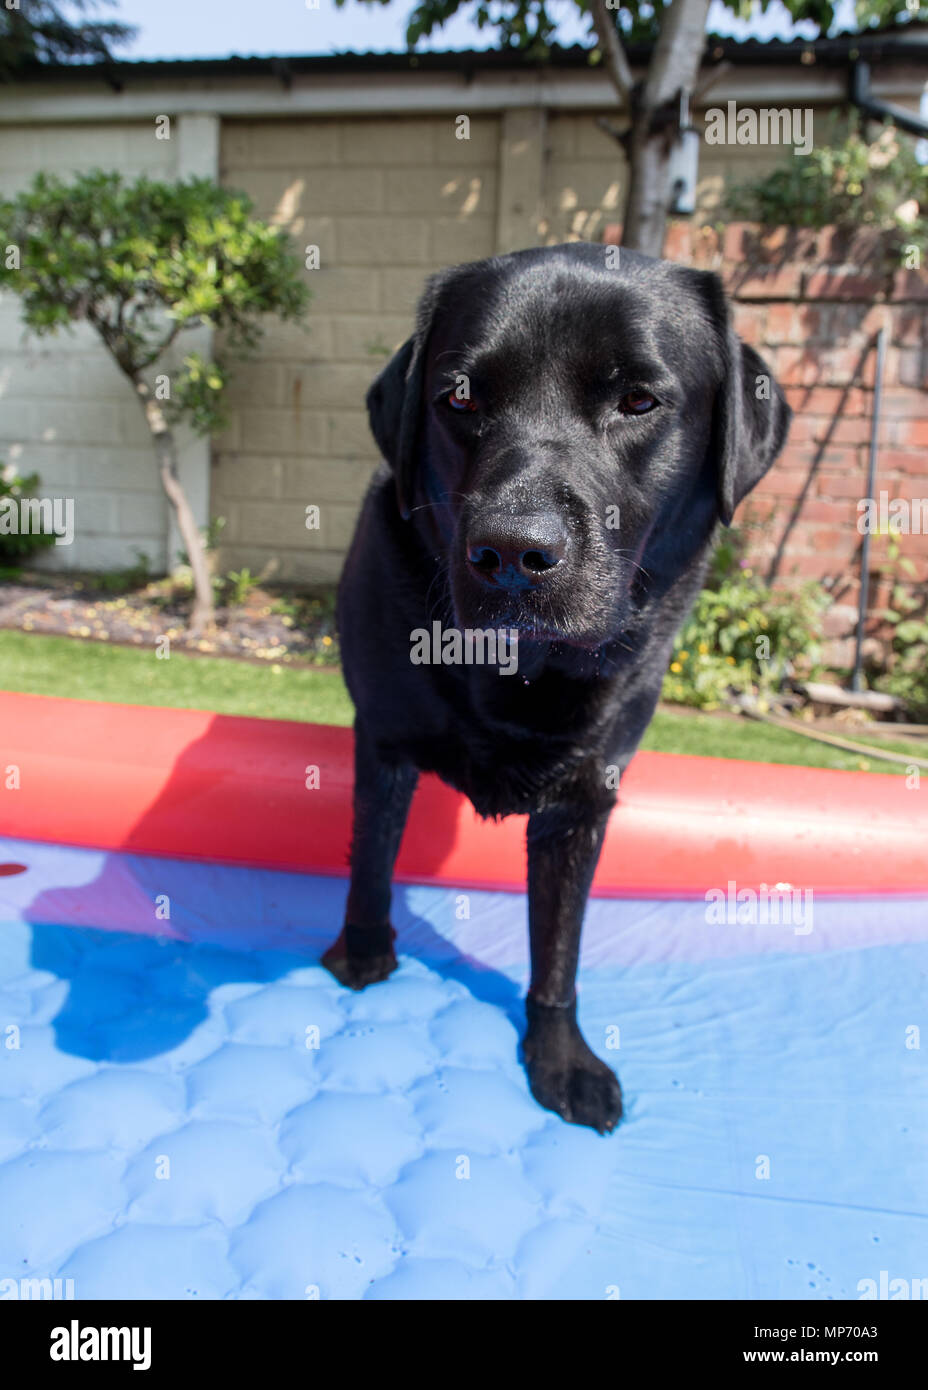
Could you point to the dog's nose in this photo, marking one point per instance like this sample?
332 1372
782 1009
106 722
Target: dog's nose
517 552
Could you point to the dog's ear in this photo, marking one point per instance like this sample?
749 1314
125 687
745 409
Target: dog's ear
750 416
394 401
752 419
393 410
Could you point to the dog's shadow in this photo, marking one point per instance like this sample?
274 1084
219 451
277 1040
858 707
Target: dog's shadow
138 987
132 998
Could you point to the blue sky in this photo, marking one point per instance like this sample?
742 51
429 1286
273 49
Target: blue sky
216 28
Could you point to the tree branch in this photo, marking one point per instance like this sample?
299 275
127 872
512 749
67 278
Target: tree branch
677 53
616 61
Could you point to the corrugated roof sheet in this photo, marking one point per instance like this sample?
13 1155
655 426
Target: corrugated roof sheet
900 43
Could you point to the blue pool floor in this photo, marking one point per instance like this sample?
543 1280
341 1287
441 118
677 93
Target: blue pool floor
191 1107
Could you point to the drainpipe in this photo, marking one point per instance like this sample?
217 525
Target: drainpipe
859 95
871 492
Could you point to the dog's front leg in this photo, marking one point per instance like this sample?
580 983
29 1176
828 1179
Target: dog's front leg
563 849
383 793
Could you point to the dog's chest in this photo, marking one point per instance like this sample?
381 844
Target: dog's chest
514 750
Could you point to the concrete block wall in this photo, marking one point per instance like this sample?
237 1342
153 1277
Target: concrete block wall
387 202
585 175
65 410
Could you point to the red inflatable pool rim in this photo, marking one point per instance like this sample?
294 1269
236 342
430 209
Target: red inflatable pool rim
268 793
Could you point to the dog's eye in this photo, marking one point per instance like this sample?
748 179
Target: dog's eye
637 403
457 402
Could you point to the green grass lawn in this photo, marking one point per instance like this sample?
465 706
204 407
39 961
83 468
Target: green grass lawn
725 736
94 671
133 676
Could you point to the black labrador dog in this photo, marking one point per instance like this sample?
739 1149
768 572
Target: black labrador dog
561 436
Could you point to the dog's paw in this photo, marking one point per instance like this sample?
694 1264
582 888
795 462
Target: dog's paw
565 1075
355 972
357 968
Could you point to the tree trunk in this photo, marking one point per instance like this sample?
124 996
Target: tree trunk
644 224
674 69
166 454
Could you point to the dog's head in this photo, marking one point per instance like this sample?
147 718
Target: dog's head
568 434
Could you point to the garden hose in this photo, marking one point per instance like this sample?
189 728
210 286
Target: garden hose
745 705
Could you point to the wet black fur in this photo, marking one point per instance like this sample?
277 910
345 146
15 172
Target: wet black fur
550 340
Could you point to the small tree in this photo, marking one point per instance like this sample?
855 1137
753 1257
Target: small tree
141 263
37 31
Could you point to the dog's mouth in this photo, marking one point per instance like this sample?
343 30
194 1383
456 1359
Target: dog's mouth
584 615
546 633
531 628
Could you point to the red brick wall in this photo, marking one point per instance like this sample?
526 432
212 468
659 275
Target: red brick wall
811 302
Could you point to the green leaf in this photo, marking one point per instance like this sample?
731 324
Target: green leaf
142 261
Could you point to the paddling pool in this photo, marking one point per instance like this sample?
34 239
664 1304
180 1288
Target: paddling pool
191 1107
